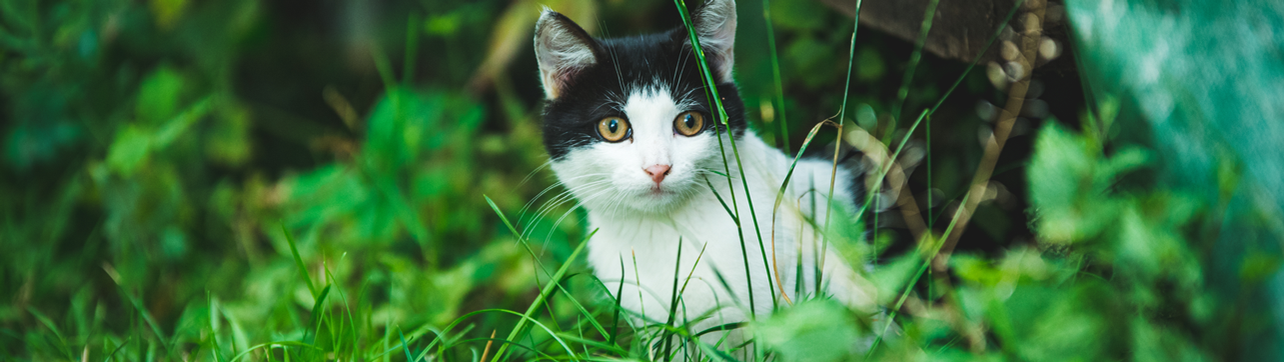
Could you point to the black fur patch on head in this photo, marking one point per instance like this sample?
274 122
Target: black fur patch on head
626 66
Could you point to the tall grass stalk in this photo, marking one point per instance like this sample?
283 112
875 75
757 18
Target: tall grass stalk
298 261
711 88
930 111
412 44
833 173
554 282
780 194
540 265
915 56
927 262
775 74
1003 127
954 221
673 296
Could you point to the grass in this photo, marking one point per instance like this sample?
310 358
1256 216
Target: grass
328 332
710 86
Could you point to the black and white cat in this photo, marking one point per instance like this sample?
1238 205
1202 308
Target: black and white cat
634 138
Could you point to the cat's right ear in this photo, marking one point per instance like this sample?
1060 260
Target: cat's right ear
563 49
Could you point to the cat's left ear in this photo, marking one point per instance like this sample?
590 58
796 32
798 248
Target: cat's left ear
715 24
563 50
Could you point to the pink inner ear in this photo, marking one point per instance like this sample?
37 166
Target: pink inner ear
565 74
561 79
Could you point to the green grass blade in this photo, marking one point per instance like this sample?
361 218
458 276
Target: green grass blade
384 68
316 316
298 261
638 276
116 350
591 343
270 345
775 72
780 194
212 304
724 203
882 172
539 264
673 297
412 45
147 317
927 128
711 93
351 321
851 56
924 29
544 293
404 346
387 330
711 88
833 174
62 342
971 65
543 355
927 112
524 318
615 315
936 248
407 214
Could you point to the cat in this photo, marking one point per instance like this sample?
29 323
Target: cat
631 134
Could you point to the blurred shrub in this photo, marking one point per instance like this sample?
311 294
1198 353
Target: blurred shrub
145 200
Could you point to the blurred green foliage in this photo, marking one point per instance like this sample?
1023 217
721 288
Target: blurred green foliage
1205 96
170 166
171 194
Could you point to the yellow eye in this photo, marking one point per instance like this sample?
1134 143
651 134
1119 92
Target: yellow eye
614 129
689 123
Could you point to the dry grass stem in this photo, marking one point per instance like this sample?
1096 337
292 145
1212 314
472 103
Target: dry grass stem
1029 39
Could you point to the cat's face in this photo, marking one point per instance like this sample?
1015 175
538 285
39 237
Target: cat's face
627 122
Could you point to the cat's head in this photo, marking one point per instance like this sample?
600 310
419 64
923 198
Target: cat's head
627 121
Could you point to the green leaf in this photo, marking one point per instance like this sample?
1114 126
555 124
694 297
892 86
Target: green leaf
1067 185
814 330
298 261
228 141
129 150
159 96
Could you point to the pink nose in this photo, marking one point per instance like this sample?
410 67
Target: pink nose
657 172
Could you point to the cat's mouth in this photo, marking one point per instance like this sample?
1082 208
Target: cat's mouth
659 191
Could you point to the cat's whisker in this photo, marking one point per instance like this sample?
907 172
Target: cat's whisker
553 228
614 204
618 75
576 206
682 67
526 207
533 172
557 201
530 228
558 196
522 213
551 203
586 196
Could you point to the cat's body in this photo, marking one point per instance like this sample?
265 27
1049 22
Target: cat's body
651 241
633 137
